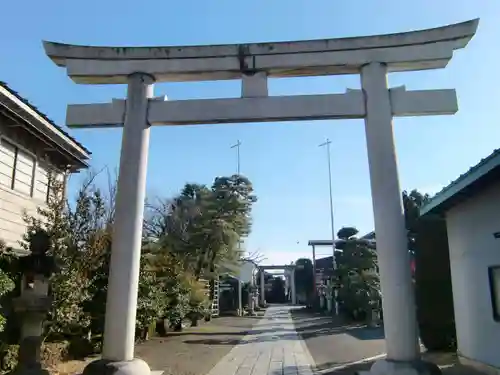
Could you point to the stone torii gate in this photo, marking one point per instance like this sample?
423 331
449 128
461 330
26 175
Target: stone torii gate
372 57
288 267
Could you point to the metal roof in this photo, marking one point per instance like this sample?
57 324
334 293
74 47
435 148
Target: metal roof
467 184
42 115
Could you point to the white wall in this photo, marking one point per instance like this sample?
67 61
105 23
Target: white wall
472 250
12 205
23 187
246 271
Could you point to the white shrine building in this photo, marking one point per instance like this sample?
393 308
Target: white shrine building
471 207
31 147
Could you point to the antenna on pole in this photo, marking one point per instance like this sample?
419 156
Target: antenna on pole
327 143
240 301
237 146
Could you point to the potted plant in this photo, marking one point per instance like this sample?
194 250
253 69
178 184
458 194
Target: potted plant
198 303
196 312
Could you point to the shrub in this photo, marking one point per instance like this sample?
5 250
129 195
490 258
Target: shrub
52 354
198 302
8 358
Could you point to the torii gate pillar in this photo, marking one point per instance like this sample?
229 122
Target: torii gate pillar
262 295
293 289
393 257
121 304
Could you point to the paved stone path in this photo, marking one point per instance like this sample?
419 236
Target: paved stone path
333 343
272 347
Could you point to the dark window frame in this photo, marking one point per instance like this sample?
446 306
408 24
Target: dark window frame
494 294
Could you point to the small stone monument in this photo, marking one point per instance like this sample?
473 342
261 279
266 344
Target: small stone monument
34 303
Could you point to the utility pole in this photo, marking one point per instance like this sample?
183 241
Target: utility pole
237 146
332 224
240 289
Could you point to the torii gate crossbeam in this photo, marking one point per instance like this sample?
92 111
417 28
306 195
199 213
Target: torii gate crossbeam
372 57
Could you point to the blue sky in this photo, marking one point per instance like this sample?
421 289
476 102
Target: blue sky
283 160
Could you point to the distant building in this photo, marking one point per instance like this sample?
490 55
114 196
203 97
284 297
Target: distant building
32 147
324 266
471 207
369 236
248 272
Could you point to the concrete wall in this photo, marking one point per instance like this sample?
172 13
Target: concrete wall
472 250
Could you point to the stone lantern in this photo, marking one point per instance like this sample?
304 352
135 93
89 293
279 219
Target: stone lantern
34 302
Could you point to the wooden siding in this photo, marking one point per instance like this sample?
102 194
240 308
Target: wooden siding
24 184
12 206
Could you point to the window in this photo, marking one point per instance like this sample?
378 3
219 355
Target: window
17 168
41 182
7 163
494 276
56 177
20 171
24 172
45 176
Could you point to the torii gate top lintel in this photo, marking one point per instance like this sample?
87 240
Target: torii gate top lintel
112 65
254 64
278 267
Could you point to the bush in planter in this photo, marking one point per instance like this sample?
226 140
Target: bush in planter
194 315
208 316
177 309
151 300
198 302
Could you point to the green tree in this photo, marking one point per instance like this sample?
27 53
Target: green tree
412 202
151 301
203 226
428 243
356 275
8 276
67 227
80 236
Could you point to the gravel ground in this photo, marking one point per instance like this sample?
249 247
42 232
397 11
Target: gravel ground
192 352
198 349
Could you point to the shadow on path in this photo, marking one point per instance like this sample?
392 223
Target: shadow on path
290 336
344 370
333 342
309 324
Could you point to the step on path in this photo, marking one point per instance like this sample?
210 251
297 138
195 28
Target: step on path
272 347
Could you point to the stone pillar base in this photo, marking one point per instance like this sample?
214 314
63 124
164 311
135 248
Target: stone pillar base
108 367
388 367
